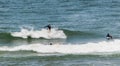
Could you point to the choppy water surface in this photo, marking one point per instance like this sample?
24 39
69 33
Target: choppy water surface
77 37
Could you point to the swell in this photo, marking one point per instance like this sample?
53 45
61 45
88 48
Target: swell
6 36
69 33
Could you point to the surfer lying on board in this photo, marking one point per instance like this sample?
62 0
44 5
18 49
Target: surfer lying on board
48 27
108 36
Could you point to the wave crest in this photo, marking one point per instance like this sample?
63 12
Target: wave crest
89 48
43 33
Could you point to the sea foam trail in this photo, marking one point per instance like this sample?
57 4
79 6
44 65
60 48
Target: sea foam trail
100 47
44 33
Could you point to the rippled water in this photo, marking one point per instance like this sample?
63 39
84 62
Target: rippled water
78 34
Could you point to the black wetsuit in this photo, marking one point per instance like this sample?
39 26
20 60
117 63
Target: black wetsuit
109 36
49 27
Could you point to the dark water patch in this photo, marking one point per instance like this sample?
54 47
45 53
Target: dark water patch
6 36
20 53
49 58
83 37
17 52
55 57
81 33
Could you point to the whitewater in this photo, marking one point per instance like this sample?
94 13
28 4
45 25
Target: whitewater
88 48
43 33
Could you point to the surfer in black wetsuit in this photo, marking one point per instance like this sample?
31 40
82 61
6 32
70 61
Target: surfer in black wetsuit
49 27
50 43
108 36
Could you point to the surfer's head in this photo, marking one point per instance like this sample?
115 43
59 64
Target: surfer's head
50 43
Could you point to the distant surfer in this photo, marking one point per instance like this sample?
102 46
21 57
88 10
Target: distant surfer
50 43
108 36
49 27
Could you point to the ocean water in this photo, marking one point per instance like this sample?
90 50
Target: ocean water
77 37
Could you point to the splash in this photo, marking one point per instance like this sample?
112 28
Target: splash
43 33
100 47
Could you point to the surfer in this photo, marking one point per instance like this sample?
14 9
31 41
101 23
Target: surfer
108 36
50 43
49 27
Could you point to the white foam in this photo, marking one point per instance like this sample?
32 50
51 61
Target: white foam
100 47
44 33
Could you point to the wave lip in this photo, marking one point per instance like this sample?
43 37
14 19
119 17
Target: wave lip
54 33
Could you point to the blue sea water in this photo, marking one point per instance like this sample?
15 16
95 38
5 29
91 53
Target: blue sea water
78 34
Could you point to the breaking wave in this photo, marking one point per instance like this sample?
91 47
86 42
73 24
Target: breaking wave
43 33
88 48
46 34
